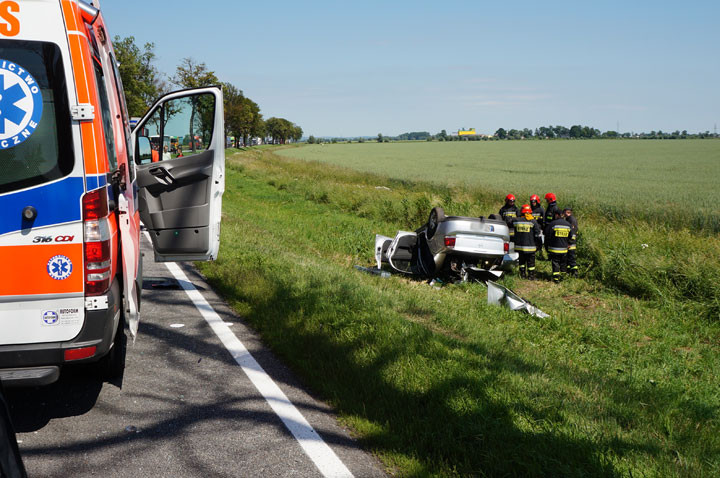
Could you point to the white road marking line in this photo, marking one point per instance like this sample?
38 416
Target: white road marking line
316 449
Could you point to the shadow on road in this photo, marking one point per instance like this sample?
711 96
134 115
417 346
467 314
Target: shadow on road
74 394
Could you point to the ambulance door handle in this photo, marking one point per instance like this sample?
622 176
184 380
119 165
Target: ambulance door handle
162 174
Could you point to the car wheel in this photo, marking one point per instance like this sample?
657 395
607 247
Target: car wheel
437 215
112 366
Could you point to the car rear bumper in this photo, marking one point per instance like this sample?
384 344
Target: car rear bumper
39 364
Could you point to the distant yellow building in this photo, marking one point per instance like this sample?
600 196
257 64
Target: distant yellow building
467 132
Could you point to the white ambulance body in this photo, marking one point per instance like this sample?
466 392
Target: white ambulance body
75 184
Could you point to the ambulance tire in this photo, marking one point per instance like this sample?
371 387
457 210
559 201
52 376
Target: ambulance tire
111 367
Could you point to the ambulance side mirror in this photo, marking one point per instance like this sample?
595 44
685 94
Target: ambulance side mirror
143 151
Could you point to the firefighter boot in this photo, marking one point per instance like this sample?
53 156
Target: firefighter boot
522 272
531 274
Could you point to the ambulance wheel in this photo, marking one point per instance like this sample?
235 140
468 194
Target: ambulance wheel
437 215
112 366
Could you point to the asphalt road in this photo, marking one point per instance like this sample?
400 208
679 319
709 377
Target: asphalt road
185 406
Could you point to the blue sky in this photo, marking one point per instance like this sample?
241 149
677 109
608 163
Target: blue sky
359 68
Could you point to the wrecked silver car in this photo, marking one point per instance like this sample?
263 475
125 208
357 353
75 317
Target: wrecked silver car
449 246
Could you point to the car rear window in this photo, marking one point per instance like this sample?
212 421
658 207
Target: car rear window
35 129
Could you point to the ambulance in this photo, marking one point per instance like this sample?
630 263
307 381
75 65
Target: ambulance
75 185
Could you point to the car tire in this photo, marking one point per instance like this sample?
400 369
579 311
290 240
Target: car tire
437 215
112 366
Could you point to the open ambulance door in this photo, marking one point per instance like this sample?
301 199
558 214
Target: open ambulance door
180 162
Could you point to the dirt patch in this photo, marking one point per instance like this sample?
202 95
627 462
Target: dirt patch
530 287
426 321
644 340
583 302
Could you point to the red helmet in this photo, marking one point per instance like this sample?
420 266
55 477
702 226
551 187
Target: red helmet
525 209
550 197
535 198
509 197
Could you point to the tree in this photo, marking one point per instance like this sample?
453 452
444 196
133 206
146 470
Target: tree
281 130
501 133
311 139
380 138
140 78
191 74
233 100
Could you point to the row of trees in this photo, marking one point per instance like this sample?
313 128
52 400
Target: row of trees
542 132
143 83
579 131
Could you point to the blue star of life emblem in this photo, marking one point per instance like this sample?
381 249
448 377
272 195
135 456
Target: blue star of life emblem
59 267
21 104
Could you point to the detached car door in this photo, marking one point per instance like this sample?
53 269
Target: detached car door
180 163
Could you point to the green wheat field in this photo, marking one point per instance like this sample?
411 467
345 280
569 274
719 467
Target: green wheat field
674 182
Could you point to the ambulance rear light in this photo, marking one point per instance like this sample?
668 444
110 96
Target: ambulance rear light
95 204
97 267
97 242
97 230
81 353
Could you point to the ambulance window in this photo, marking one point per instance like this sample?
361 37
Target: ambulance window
188 125
106 117
34 113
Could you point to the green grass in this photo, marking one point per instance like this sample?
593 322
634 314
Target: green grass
666 182
621 380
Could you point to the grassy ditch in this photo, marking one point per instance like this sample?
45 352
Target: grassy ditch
622 379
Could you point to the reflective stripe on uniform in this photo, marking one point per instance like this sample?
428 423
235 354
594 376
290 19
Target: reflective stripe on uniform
525 248
572 247
557 251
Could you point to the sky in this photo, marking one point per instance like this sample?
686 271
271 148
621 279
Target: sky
348 68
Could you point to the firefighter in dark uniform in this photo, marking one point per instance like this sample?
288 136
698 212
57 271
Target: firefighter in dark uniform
538 213
557 236
572 241
551 208
509 212
527 231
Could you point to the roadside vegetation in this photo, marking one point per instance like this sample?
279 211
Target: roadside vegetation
622 380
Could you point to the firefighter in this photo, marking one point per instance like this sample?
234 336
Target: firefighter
527 231
509 212
551 208
572 241
557 236
538 213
